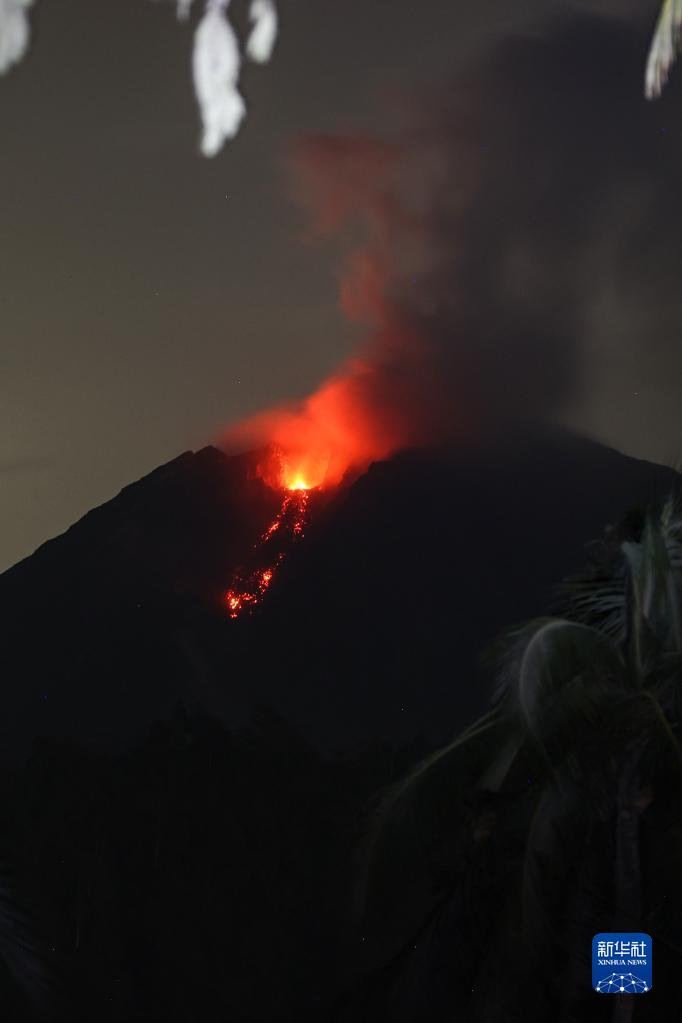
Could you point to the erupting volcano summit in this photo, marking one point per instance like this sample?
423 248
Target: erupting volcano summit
294 478
311 447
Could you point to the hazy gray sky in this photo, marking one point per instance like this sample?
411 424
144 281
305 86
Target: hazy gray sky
148 296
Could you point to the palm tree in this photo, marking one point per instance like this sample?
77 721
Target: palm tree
583 738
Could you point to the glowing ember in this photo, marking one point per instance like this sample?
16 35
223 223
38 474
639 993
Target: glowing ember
250 585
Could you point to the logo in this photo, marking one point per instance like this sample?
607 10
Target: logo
621 963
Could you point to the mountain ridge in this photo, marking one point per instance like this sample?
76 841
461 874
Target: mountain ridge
373 626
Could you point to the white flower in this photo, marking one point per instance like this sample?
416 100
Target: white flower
14 33
216 65
216 60
261 42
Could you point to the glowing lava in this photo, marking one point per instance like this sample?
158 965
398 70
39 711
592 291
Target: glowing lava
308 447
250 585
338 430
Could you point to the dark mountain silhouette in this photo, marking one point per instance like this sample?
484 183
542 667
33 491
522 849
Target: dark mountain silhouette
184 796
372 627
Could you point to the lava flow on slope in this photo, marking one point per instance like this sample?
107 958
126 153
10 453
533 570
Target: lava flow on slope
251 583
311 447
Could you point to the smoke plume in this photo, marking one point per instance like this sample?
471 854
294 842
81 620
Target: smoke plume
478 241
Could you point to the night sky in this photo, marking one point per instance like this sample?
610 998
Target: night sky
150 296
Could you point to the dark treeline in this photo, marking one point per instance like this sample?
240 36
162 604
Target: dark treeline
204 876
211 876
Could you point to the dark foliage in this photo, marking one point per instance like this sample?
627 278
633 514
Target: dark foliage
203 876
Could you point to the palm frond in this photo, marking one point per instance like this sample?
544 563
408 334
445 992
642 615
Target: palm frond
555 841
450 763
596 597
502 657
412 816
670 744
655 568
19 950
664 48
566 673
556 653
671 529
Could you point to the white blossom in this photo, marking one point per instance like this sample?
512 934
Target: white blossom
216 61
14 32
261 42
216 66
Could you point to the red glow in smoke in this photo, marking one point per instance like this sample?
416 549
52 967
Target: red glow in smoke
342 427
374 404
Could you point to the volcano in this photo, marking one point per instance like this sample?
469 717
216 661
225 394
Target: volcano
185 790
371 626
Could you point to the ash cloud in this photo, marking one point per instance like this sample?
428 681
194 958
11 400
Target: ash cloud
528 212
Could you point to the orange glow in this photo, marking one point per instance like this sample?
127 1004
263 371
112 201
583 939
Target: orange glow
363 413
298 484
339 428
384 399
250 584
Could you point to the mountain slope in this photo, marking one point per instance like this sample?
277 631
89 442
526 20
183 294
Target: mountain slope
372 627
